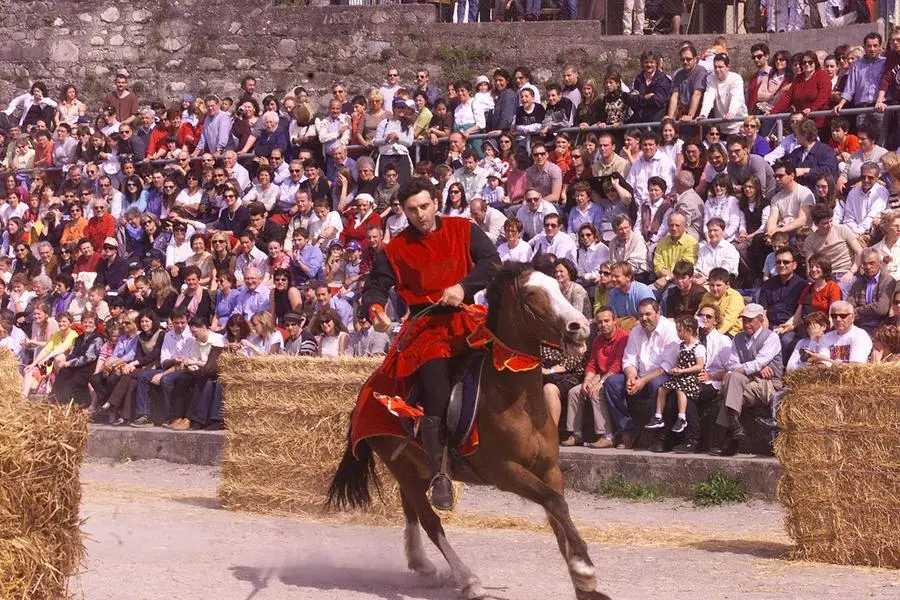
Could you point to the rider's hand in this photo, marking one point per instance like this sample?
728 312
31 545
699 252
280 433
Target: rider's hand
453 295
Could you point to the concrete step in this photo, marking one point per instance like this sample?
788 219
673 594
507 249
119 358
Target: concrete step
585 468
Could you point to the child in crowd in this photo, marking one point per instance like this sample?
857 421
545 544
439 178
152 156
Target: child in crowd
493 193
491 161
684 379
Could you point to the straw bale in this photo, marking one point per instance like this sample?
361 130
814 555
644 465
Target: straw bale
41 450
840 453
287 420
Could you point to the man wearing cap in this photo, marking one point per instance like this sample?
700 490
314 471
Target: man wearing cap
439 261
299 341
472 177
112 268
755 369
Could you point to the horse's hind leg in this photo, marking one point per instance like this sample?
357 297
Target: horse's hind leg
416 558
515 478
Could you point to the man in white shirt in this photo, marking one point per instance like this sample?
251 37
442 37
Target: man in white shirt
177 348
237 171
250 256
755 371
846 343
724 95
489 219
553 241
650 353
716 251
206 405
472 177
788 143
864 203
532 213
652 163
390 88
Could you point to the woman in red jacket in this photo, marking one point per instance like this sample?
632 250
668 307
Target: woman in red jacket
359 220
809 92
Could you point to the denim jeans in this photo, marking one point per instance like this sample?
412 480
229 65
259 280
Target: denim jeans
617 398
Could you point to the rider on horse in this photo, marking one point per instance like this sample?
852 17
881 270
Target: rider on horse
439 261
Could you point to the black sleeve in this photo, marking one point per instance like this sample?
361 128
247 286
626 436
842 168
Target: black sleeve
484 255
379 281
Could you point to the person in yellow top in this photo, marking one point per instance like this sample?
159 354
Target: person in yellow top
727 299
675 246
52 355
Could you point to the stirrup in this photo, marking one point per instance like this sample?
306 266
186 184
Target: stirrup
437 479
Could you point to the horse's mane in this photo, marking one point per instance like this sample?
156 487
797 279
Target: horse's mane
505 274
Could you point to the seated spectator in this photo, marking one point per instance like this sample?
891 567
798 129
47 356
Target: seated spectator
605 360
51 357
553 241
574 293
780 295
886 344
591 254
362 217
791 204
204 410
888 248
846 343
627 294
489 219
728 301
265 339
815 324
716 251
864 204
365 341
74 374
651 163
195 299
532 213
723 205
250 255
112 269
688 203
718 349
110 370
331 334
254 295
675 246
685 296
811 158
871 293
834 242
561 372
649 354
818 296
146 357
869 151
755 371
742 165
627 246
299 341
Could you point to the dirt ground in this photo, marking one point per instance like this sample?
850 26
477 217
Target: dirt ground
156 531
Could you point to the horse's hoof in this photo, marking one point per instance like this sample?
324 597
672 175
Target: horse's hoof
592 595
472 590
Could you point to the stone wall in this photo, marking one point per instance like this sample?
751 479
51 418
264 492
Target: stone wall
196 46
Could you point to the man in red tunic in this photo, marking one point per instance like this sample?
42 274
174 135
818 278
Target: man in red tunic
435 260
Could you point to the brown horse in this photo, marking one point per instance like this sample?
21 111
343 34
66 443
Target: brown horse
519 445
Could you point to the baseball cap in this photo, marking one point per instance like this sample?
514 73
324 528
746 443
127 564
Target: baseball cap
753 310
353 245
111 241
399 103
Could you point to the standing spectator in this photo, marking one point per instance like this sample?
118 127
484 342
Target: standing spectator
863 83
811 91
35 106
688 86
649 97
724 95
216 137
633 17
122 99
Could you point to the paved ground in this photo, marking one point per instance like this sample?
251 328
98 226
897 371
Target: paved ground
156 531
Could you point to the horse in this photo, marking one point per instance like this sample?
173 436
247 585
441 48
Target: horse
519 445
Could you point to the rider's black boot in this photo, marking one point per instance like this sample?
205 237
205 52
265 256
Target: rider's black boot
433 440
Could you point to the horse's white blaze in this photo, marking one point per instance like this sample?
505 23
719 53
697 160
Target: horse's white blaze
563 310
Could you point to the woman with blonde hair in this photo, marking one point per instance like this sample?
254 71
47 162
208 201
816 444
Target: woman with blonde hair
163 294
265 338
756 143
374 115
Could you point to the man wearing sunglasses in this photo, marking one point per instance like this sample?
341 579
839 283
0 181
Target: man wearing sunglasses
101 225
112 268
846 343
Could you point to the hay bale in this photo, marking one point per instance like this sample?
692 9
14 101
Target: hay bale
840 453
287 420
41 449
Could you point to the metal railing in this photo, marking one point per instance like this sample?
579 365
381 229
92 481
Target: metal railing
481 136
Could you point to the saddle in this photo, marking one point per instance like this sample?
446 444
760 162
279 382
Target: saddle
465 378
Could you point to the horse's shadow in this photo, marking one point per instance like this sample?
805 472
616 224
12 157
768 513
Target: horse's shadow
382 583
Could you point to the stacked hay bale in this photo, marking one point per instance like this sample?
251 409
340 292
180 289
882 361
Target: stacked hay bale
41 449
287 420
840 452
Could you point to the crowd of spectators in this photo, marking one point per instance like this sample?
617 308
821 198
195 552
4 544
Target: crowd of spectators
141 245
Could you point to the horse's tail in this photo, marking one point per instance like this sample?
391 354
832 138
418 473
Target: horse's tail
350 484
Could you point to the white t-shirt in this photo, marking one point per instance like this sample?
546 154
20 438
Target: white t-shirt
521 253
332 219
854 346
274 339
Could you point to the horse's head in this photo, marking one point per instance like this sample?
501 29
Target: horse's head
534 310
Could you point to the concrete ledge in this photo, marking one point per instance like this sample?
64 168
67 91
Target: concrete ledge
130 443
677 472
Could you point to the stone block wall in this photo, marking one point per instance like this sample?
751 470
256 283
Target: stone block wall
196 46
